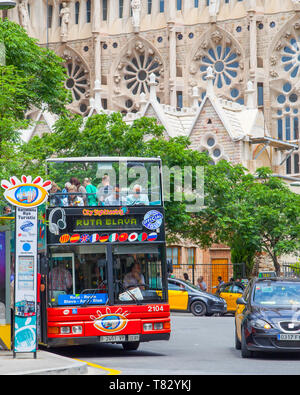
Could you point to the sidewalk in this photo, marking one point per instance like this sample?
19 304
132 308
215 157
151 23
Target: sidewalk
45 363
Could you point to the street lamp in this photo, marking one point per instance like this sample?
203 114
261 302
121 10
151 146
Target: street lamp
6 4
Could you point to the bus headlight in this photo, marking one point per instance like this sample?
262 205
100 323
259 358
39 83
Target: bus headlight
158 326
64 330
77 329
147 327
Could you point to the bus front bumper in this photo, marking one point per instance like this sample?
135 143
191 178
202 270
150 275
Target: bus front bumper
77 341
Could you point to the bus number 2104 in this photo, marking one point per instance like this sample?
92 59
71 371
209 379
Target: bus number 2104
155 308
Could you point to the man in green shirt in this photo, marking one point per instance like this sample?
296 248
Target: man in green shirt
91 192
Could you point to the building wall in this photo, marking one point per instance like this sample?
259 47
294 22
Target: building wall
245 40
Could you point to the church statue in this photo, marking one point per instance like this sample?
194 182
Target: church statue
65 19
214 7
136 14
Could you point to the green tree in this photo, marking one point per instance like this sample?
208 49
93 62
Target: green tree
251 215
32 77
248 214
41 68
109 135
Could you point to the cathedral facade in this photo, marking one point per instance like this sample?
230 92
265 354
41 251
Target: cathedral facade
223 72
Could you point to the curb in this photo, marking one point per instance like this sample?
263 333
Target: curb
74 369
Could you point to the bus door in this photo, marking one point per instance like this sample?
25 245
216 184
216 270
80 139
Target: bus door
60 285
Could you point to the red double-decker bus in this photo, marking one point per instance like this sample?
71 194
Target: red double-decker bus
104 267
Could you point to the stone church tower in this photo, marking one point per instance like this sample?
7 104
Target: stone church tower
111 47
225 73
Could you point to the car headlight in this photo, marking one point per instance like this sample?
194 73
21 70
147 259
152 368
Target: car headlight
260 324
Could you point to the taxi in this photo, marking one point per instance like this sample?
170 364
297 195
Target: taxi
185 296
268 316
231 292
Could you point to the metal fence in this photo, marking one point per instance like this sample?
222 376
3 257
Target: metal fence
210 272
290 270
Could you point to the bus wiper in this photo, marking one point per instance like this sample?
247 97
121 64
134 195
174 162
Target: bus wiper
91 296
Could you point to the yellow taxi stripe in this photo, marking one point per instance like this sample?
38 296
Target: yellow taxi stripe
93 365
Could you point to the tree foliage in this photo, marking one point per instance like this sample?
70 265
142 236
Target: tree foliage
249 213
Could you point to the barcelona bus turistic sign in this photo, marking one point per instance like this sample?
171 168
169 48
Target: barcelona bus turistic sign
26 195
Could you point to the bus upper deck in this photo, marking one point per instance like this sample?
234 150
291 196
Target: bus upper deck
105 181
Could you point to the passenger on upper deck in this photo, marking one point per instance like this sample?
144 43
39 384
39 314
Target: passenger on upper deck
137 198
80 189
91 191
65 190
115 199
73 199
105 190
55 200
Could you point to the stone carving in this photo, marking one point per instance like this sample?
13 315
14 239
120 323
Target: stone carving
273 73
24 14
65 20
273 60
136 14
216 37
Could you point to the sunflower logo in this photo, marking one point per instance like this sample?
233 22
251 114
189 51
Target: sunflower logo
110 322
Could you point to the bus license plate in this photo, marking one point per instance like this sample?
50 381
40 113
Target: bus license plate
287 336
133 338
109 339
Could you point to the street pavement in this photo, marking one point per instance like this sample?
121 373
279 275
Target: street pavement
198 346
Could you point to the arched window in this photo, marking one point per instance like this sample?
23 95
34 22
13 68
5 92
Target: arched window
121 7
104 10
296 164
50 15
77 9
161 5
88 11
60 8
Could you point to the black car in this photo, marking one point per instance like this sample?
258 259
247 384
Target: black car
183 295
268 316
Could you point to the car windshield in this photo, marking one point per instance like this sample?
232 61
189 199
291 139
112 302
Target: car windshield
191 285
277 294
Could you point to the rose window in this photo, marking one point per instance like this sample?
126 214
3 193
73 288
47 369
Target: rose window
132 75
137 73
291 57
224 62
77 80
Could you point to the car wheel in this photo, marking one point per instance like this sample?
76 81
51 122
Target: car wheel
238 344
198 308
131 346
244 349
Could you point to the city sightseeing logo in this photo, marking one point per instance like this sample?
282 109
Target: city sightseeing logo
110 322
26 193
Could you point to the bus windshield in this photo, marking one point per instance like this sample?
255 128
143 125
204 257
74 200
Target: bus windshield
99 182
79 276
138 273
